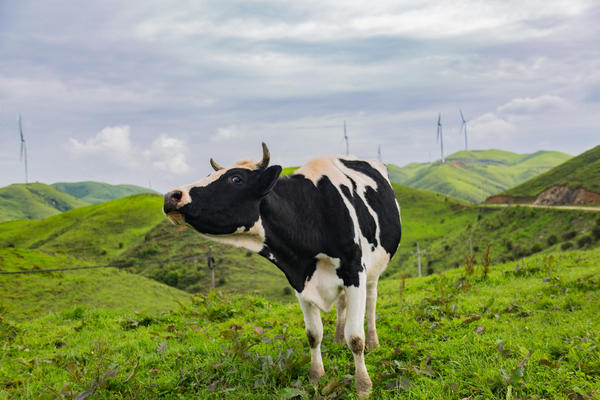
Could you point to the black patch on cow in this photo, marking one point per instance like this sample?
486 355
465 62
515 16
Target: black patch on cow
366 222
383 202
312 341
302 220
357 345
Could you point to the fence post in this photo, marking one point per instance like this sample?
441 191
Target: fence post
211 267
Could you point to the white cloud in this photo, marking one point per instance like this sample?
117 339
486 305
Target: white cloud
112 142
530 105
168 154
491 126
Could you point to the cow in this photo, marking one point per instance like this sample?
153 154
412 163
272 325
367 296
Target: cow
331 227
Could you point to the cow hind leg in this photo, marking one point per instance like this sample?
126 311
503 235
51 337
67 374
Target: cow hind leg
341 318
314 333
355 336
372 339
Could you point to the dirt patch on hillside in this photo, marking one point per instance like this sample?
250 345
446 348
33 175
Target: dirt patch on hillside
554 195
563 194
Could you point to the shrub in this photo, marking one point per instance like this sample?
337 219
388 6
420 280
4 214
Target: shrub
552 239
569 235
287 290
584 241
509 245
596 232
566 245
536 248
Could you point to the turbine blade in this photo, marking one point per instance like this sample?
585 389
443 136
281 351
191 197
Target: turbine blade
462 116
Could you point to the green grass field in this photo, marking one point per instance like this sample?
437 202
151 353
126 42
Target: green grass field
580 171
475 175
33 201
526 329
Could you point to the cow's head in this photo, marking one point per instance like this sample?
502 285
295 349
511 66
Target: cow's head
226 201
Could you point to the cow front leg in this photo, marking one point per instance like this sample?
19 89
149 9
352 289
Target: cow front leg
314 333
372 339
340 309
355 335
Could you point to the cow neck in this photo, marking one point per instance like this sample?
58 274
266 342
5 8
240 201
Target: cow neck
285 231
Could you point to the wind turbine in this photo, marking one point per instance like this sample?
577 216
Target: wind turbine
23 156
463 127
440 139
379 152
346 139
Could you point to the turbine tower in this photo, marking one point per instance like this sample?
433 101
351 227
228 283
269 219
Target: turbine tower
346 139
463 127
23 156
440 138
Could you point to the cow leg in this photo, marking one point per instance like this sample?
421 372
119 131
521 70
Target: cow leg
372 339
355 335
341 318
314 333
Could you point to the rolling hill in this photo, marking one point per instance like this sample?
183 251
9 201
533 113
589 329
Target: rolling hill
476 174
34 201
99 192
580 172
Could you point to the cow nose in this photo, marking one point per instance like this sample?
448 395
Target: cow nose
172 200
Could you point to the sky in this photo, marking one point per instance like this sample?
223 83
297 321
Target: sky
145 92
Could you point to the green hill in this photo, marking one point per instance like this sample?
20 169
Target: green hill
580 171
34 201
33 295
99 192
475 175
526 329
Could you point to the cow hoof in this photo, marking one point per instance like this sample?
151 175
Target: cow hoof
315 374
372 340
363 385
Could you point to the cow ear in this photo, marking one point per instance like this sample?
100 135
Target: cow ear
268 178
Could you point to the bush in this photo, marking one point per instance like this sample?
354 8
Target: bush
287 290
552 239
509 245
569 235
536 248
596 232
584 241
566 245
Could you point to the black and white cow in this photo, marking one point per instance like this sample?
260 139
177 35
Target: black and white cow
331 227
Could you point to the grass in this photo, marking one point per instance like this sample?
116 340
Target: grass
26 296
475 175
528 330
34 200
99 192
580 171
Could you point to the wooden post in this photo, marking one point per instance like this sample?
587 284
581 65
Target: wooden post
419 260
211 267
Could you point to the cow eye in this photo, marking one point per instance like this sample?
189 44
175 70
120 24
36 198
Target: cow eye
236 179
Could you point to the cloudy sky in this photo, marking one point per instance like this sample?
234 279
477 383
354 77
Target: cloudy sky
144 92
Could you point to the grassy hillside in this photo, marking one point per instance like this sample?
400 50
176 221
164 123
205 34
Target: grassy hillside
580 171
475 175
25 296
33 201
99 192
528 329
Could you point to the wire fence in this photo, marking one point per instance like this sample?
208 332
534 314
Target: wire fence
120 265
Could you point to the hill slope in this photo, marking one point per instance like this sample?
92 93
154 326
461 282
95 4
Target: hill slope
474 175
35 295
99 192
33 201
527 330
582 171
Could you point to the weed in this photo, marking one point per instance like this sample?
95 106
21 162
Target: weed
486 261
469 266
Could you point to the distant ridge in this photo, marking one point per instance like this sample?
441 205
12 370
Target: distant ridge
34 201
576 181
99 192
474 175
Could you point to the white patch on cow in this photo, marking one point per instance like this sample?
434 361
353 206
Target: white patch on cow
252 239
324 286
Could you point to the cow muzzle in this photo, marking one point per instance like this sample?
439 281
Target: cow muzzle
173 201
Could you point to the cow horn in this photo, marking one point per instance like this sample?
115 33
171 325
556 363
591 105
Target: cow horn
266 158
215 166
